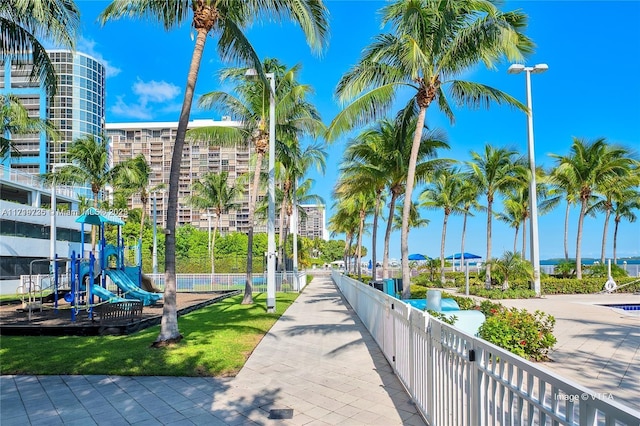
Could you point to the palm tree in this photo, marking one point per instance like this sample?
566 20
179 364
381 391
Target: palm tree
493 172
469 200
444 192
15 120
227 19
589 164
26 24
385 149
295 117
303 195
415 220
624 204
140 186
213 192
294 163
359 199
430 44
345 222
361 167
513 214
511 265
91 164
610 189
561 188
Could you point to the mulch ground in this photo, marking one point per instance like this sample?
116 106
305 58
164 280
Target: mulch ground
17 314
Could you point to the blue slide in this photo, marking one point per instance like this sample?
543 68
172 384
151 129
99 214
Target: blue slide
105 294
100 292
131 290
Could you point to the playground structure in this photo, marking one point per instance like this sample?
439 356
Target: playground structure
88 275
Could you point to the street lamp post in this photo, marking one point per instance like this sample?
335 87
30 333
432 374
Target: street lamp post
533 202
271 220
271 223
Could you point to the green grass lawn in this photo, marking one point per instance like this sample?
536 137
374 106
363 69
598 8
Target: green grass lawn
217 341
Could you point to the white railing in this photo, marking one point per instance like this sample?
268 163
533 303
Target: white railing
35 181
458 379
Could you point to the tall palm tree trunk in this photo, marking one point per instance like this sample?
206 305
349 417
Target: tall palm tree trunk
444 236
487 282
604 235
523 255
374 236
144 199
94 238
387 236
281 237
464 232
583 210
248 289
169 331
359 245
347 251
515 240
406 208
615 240
566 233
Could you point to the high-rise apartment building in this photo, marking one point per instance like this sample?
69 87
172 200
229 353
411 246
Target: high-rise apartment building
77 109
155 141
313 225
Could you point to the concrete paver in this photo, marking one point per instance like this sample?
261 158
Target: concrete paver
318 360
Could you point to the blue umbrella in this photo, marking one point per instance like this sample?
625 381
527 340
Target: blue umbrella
370 264
417 256
466 256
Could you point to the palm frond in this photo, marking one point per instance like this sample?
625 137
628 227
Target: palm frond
476 95
365 109
220 135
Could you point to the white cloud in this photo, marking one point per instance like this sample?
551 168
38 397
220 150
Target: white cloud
89 47
133 110
152 96
155 91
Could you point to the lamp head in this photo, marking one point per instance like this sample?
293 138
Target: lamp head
539 68
515 69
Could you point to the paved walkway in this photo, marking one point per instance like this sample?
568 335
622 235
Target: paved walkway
598 346
318 365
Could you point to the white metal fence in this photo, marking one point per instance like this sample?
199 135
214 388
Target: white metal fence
458 379
285 282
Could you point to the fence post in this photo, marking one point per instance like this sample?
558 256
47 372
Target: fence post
475 387
412 381
431 388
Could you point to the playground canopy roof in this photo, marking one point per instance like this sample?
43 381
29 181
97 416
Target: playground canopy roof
93 216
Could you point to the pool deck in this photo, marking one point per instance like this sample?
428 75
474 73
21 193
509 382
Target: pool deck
598 346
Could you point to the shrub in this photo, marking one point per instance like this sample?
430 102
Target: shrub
520 332
418 292
449 319
511 293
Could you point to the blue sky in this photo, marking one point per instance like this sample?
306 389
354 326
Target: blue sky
591 90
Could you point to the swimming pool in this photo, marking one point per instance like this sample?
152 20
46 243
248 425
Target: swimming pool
625 306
